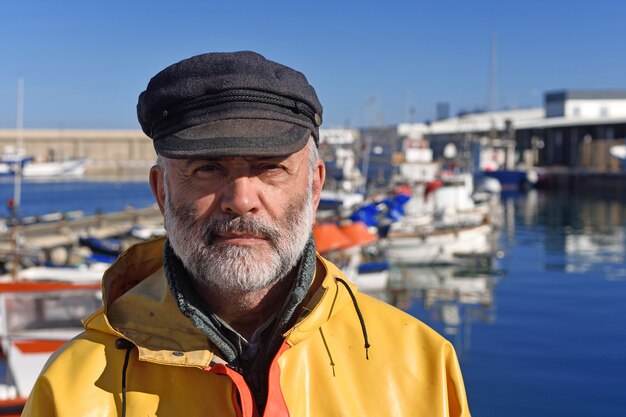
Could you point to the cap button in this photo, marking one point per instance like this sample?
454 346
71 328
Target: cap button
318 119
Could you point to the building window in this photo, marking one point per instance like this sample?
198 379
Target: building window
604 112
576 111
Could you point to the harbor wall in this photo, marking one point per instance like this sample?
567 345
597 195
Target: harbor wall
110 152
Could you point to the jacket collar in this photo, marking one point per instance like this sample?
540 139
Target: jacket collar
139 306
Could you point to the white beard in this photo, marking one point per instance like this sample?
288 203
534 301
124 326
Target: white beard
239 268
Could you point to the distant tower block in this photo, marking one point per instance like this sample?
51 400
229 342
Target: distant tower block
443 110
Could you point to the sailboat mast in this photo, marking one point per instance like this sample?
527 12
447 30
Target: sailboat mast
493 74
19 145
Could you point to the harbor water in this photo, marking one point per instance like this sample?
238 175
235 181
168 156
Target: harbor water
541 331
552 342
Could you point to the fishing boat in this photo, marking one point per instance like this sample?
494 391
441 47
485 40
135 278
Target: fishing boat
496 159
37 316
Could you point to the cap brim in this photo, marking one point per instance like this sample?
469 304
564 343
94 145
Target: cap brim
235 137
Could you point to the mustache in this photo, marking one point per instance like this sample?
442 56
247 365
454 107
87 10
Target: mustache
238 224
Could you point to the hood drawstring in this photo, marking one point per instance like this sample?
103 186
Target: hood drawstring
358 312
122 344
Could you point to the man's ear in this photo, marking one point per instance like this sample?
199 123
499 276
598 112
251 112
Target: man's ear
319 176
158 187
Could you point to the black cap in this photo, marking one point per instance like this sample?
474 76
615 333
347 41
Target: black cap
229 104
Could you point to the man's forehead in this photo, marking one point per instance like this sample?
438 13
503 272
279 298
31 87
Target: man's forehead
248 159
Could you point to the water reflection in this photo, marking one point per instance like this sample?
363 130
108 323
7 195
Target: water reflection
565 233
449 298
581 233
586 251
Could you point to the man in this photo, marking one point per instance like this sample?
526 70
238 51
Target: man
235 314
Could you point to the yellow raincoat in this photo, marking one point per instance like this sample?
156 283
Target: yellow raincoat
322 369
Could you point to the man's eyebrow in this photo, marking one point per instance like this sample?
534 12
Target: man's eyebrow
267 158
188 163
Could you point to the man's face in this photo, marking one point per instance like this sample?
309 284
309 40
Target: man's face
239 223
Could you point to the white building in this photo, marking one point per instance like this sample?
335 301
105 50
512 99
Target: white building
586 104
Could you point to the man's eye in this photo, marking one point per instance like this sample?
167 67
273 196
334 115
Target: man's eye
265 166
270 167
208 168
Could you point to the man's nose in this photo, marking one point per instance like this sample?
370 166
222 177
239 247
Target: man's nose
240 196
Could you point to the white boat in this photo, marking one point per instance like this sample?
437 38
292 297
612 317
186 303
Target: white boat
145 232
438 246
443 224
418 166
80 274
69 168
11 159
619 152
36 318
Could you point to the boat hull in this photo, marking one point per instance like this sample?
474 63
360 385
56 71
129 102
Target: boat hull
447 247
512 180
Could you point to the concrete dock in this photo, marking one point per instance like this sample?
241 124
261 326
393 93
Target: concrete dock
58 239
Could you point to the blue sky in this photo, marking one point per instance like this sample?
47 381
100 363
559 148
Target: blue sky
85 62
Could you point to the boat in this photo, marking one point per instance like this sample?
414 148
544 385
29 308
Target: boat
87 272
495 158
102 246
417 166
145 232
447 201
39 312
68 168
15 162
13 159
444 226
438 245
351 246
339 200
619 152
513 179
